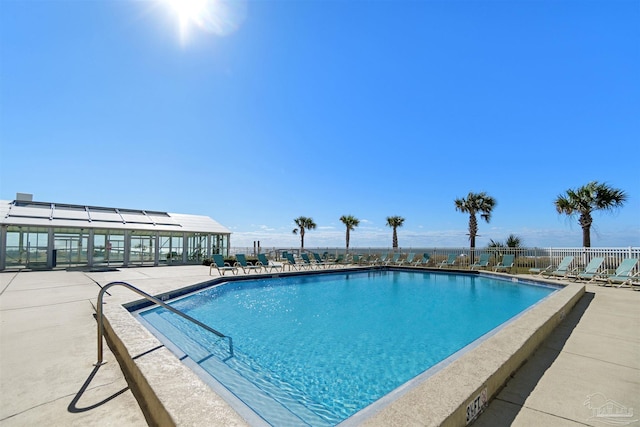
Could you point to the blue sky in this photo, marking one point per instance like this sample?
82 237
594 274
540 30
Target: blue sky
324 108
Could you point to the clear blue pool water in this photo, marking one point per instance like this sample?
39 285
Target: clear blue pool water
316 349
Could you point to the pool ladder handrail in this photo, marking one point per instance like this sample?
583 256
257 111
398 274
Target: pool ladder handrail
155 301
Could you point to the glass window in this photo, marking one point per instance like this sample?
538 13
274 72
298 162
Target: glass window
108 247
196 247
220 244
26 247
142 248
71 245
171 248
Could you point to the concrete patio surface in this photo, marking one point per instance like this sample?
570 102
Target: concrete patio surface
586 373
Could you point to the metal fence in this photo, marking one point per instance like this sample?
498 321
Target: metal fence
525 258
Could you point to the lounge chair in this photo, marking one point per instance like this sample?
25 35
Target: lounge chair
319 261
383 259
364 259
340 260
449 262
483 262
590 271
408 259
561 270
222 267
377 259
505 264
269 265
241 261
293 264
369 259
622 275
393 260
307 261
422 262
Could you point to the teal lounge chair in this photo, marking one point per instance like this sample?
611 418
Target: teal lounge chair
340 260
376 259
319 261
449 262
590 271
393 260
408 259
383 259
293 264
483 262
241 261
222 267
422 262
369 259
307 261
268 265
360 260
622 275
505 264
562 270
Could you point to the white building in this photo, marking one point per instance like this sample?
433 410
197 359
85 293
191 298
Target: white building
58 235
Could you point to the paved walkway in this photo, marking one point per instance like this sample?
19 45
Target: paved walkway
588 369
48 347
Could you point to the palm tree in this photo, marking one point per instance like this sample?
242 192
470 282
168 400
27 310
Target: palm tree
499 247
513 241
496 247
303 224
584 200
495 244
395 222
475 203
351 222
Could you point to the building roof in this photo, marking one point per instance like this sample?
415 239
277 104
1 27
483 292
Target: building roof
45 214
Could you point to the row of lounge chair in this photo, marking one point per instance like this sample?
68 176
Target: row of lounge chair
622 275
317 262
265 264
396 259
505 264
242 263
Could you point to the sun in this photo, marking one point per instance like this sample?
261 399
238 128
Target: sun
221 17
188 12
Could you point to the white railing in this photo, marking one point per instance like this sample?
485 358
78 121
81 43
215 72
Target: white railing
525 257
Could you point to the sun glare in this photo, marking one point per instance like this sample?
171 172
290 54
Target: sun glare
221 17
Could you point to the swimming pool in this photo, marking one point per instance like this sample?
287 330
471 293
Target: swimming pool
317 349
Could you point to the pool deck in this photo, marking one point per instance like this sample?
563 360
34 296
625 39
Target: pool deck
48 348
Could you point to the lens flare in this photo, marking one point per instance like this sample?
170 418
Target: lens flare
220 17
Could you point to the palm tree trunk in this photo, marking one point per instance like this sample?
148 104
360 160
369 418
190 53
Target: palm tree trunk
348 240
395 238
585 221
473 230
586 237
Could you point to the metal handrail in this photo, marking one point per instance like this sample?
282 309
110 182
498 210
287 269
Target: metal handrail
154 300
